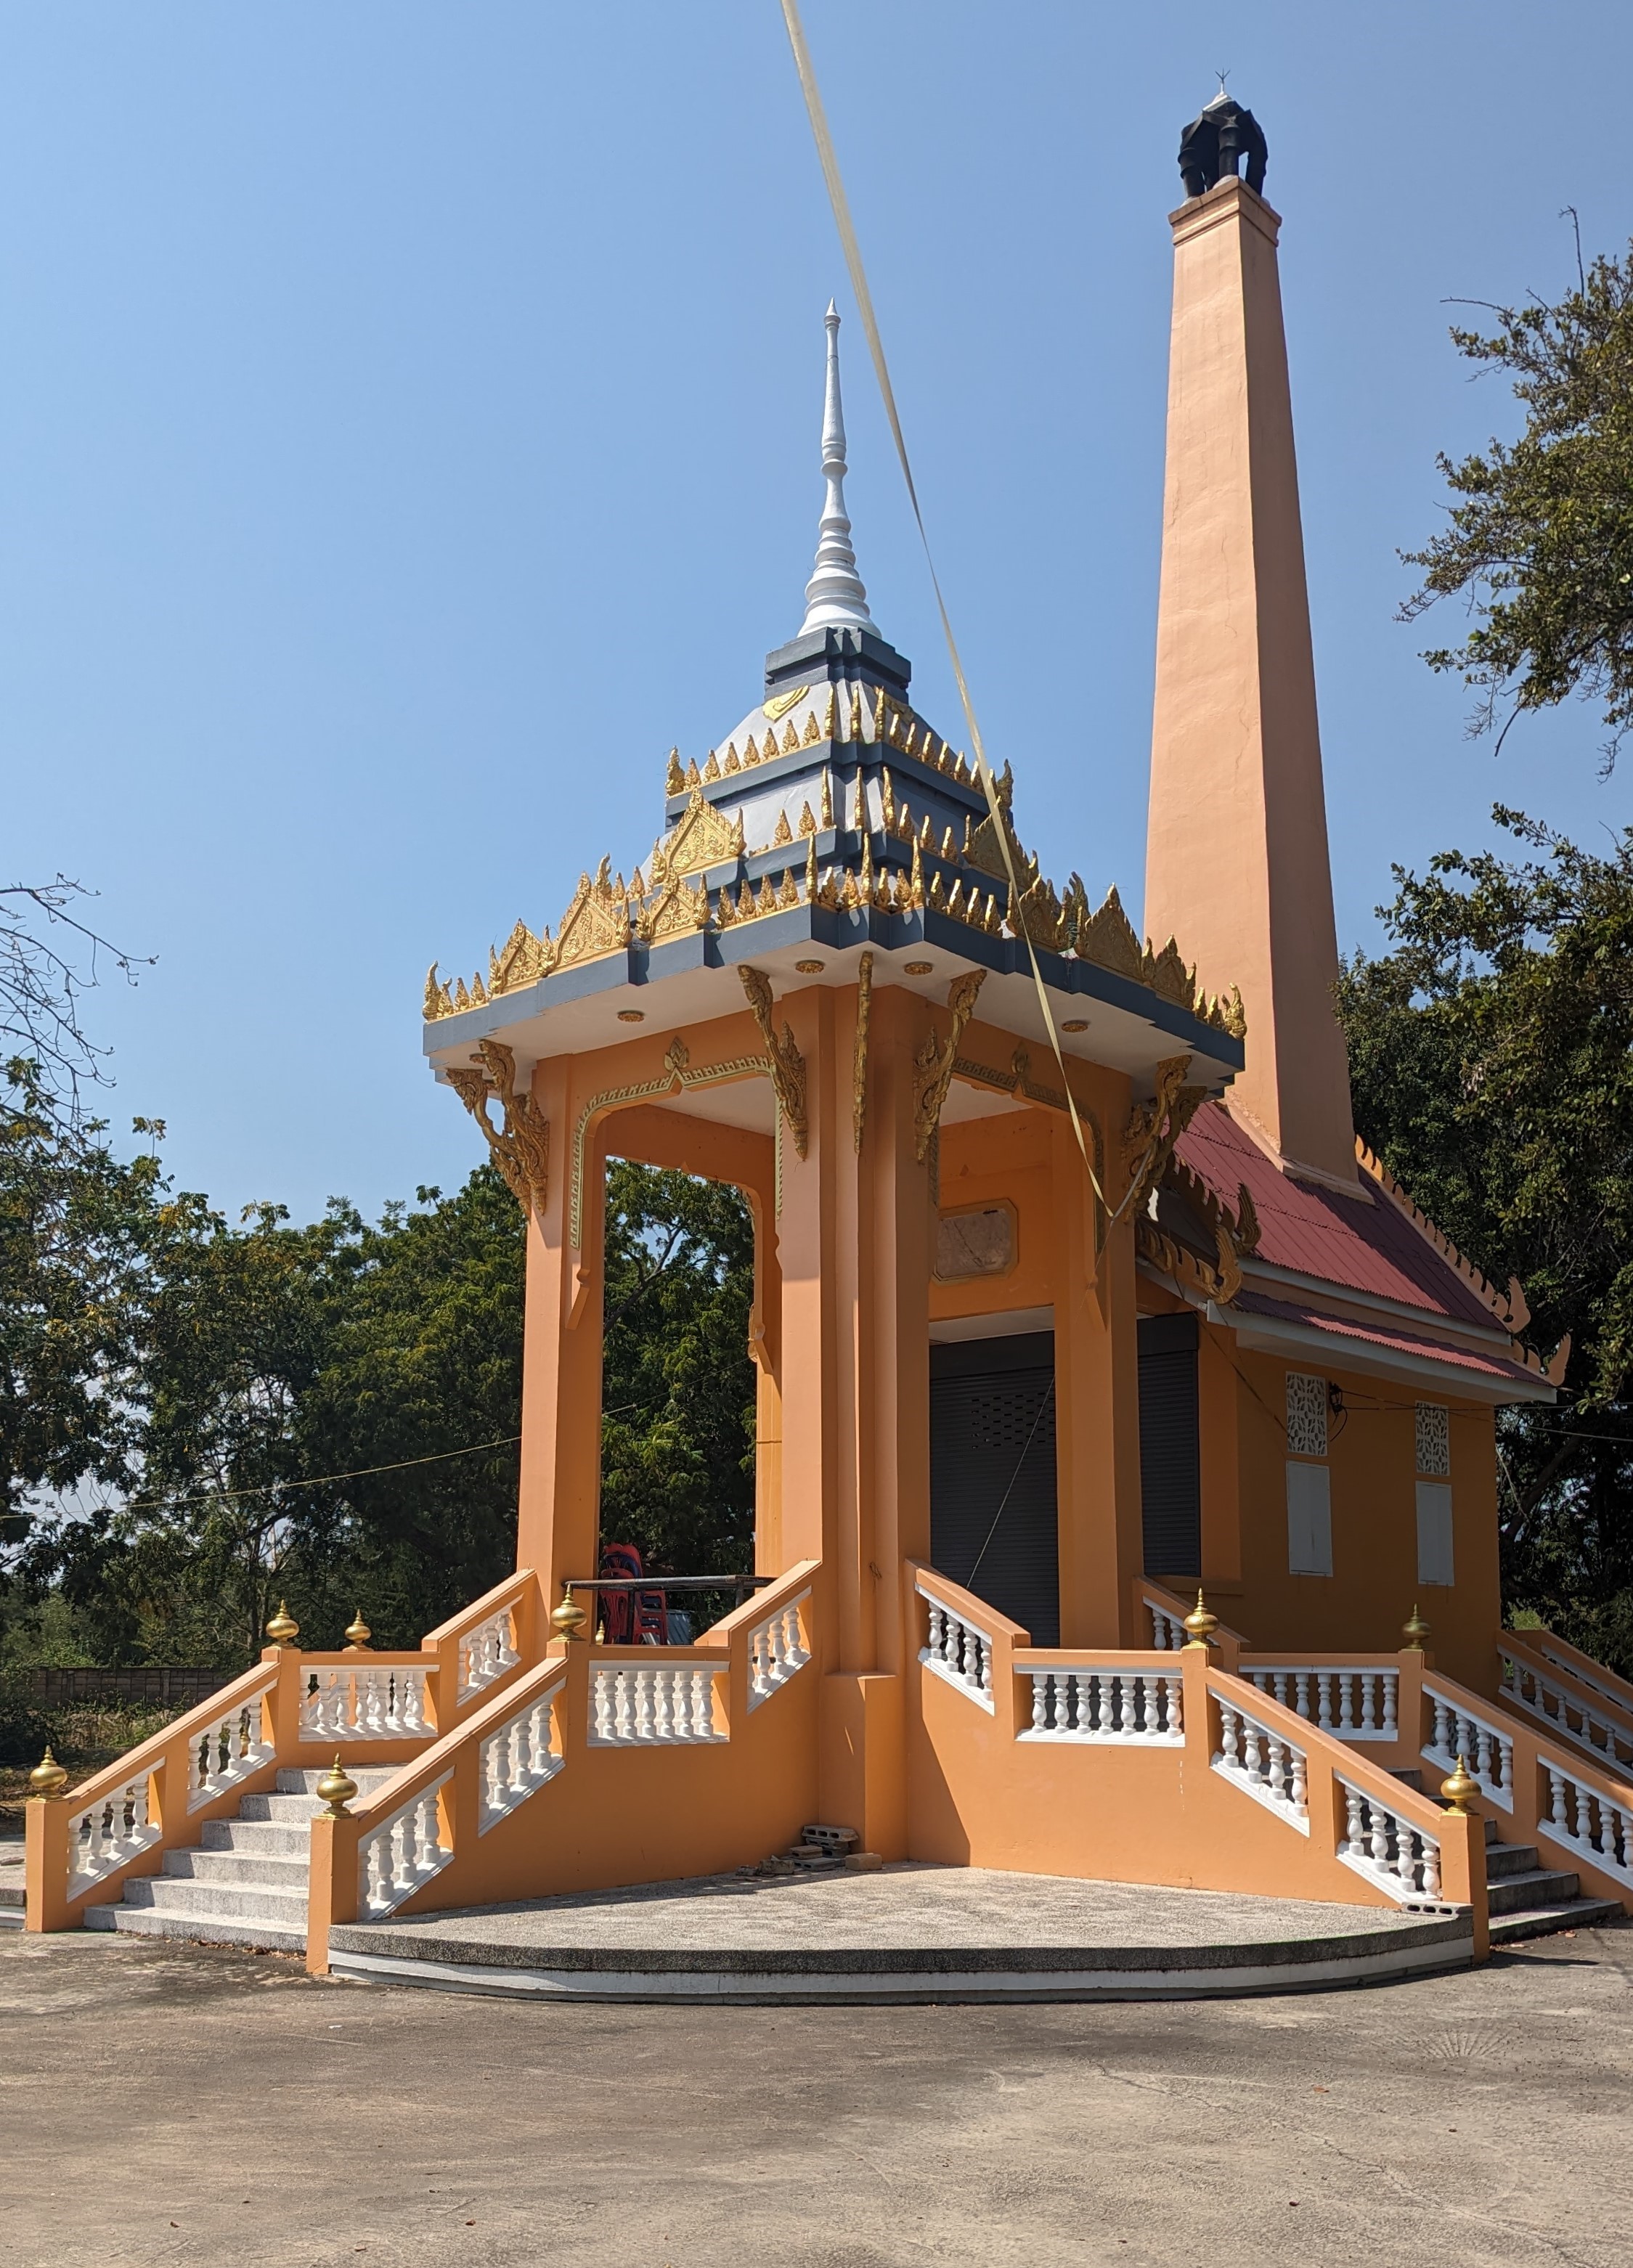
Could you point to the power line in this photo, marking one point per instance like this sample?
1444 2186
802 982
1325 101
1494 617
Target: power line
322 1480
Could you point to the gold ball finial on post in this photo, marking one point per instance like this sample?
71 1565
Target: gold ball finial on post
1415 1633
1458 1792
357 1632
569 1619
1201 1624
48 1777
335 1789
283 1630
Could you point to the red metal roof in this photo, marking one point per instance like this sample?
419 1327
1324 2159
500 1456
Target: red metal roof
1396 1342
1315 1232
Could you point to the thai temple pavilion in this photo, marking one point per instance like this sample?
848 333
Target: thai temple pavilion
1076 1295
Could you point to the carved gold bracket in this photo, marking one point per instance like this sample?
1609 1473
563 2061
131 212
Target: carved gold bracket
521 1147
1154 1128
784 1060
933 1065
859 1062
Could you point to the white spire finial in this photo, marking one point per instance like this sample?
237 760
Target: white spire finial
835 596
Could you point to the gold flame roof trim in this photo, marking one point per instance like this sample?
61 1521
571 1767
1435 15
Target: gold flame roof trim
606 914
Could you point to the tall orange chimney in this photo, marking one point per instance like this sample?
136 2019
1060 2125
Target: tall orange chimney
1237 853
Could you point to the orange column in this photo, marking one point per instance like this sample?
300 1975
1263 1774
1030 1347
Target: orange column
855 1246
558 1529
1096 1372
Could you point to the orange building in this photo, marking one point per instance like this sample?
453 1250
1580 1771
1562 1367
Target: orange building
1074 1295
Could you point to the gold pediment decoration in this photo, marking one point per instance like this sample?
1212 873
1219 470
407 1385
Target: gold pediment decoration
1106 937
596 922
702 836
521 1147
525 959
779 703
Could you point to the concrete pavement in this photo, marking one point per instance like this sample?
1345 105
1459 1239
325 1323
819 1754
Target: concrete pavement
162 2104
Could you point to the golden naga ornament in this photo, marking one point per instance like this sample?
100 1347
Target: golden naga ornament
335 1789
283 1630
783 1058
521 1147
48 1778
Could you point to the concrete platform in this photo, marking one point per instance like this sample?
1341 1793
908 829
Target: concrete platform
907 1933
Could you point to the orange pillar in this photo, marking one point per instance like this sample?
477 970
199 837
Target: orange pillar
558 1530
855 1246
1097 1394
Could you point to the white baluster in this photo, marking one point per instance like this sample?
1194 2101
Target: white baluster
1390 1724
1228 1742
1324 1688
1175 1714
1346 1702
1369 1696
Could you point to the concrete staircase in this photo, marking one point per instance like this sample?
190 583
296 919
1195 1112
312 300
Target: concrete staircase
1528 1899
244 1883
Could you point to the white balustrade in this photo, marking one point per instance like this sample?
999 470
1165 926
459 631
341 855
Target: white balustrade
486 1651
107 1834
1486 1748
229 1749
517 1758
653 1704
1168 1630
1595 1674
1598 1827
1386 1847
1564 1712
1090 1701
404 1850
1354 1704
365 1701
776 1651
958 1652
1263 1764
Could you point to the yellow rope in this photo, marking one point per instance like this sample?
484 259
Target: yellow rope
858 274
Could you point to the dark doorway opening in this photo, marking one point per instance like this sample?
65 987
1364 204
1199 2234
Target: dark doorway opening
1171 1463
993 1522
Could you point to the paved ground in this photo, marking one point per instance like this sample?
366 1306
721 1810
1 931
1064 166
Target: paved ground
169 2105
906 1905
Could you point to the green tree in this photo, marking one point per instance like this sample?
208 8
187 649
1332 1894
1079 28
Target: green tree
1540 542
1491 1053
677 1431
77 1230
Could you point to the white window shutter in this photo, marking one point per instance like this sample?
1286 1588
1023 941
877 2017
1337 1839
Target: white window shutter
1309 1519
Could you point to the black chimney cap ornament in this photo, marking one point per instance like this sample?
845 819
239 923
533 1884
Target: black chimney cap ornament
1212 147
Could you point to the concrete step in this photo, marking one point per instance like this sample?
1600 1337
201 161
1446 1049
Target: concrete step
1503 1859
1529 1893
11 1893
368 1778
1548 1921
260 1838
222 1901
198 1928
228 1867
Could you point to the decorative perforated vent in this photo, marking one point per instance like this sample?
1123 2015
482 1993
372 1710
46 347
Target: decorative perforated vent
1434 1439
1009 1421
1306 1414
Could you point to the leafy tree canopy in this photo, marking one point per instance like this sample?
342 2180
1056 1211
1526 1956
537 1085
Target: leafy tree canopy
1541 536
1491 1052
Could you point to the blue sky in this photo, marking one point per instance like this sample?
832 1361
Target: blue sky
408 431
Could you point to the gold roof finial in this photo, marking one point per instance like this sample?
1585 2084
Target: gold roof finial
357 1631
335 1789
1415 1633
